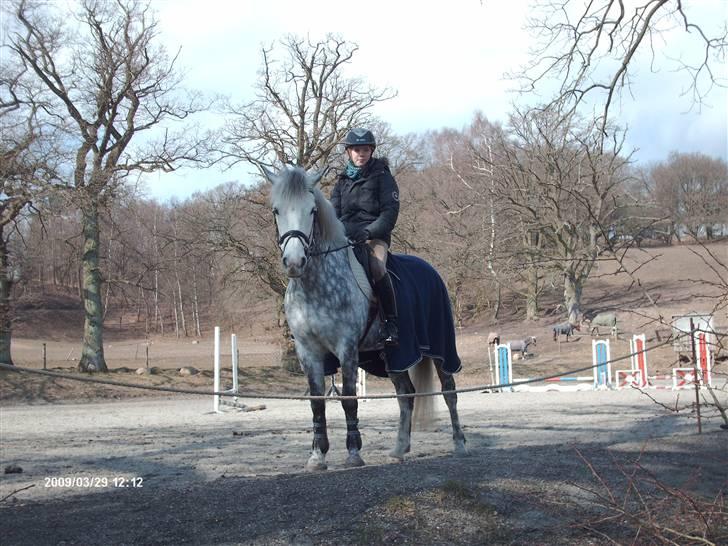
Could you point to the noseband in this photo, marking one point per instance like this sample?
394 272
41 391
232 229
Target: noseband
306 240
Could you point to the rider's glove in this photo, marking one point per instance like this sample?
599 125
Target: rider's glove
360 237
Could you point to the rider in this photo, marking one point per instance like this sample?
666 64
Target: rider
366 199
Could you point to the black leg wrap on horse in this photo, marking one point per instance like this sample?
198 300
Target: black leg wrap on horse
320 437
353 437
385 293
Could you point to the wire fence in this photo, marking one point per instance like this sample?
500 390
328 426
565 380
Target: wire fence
197 392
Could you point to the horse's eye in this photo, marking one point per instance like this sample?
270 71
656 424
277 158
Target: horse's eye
314 211
275 211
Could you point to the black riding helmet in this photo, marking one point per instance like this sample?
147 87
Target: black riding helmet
360 137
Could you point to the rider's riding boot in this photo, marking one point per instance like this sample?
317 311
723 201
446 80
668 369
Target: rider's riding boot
385 293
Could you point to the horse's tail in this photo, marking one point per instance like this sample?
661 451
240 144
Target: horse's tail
423 378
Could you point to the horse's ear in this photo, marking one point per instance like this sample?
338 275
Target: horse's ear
315 178
267 173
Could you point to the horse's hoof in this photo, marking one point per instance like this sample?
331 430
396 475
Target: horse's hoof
354 460
461 450
315 464
315 467
398 455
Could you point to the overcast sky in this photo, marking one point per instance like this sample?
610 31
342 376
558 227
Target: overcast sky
446 60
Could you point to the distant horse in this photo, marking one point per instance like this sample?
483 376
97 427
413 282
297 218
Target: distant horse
521 345
565 328
327 313
602 319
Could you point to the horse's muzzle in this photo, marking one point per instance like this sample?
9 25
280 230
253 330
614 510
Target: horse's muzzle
294 267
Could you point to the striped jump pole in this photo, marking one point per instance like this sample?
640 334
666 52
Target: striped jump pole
705 359
685 378
568 378
601 359
636 376
638 345
503 366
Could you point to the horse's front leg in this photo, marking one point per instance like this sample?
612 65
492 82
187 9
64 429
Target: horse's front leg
320 445
403 385
351 407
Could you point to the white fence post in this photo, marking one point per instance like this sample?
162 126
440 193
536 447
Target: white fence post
216 364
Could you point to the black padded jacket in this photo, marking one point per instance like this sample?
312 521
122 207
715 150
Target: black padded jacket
369 203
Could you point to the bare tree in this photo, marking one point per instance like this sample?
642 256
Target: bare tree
590 48
111 82
446 216
552 176
27 168
304 104
692 189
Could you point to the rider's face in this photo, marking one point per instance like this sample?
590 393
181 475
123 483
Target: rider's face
359 155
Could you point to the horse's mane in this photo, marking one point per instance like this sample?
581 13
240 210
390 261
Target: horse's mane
332 230
293 185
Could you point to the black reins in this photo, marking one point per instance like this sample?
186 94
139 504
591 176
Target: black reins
330 250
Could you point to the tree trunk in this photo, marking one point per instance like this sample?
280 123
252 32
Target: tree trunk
572 297
181 306
139 305
532 294
6 285
108 285
183 322
289 358
92 353
157 313
176 316
195 304
498 300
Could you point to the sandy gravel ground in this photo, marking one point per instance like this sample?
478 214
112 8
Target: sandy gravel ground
237 477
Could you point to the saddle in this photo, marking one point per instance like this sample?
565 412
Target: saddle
361 254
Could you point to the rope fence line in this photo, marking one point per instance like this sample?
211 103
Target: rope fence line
482 388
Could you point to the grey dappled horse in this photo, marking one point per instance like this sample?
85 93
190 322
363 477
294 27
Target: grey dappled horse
327 312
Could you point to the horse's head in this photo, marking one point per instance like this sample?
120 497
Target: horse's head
294 204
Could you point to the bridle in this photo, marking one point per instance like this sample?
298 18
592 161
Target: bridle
308 240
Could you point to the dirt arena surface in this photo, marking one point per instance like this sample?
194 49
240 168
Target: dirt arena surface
237 477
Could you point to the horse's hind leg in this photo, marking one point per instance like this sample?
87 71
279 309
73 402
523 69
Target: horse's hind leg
351 407
320 445
403 385
451 399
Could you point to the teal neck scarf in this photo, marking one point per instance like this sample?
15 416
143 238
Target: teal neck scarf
352 171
